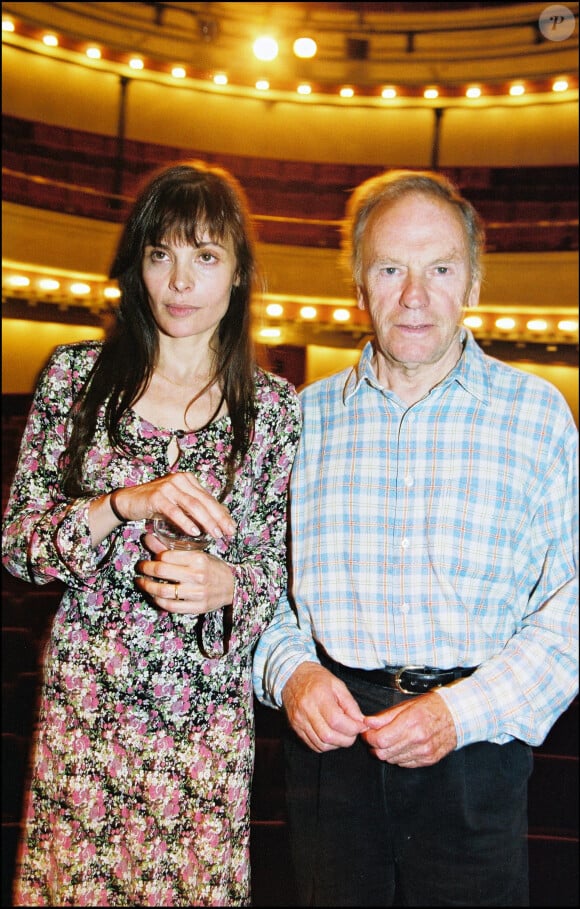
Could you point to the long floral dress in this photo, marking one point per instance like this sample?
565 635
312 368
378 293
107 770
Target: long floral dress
145 742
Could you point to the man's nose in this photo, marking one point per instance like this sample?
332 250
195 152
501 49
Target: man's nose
414 292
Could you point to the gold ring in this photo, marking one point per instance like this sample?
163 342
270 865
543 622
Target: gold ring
176 593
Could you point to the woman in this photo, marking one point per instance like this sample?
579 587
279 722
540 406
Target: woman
144 751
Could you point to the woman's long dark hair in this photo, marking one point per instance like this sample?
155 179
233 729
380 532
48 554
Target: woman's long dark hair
177 204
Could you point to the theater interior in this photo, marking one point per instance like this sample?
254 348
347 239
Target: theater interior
97 96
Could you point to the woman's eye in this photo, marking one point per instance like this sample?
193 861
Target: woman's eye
442 269
207 257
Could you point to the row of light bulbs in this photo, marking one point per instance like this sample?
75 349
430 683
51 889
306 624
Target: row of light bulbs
77 288
503 323
266 49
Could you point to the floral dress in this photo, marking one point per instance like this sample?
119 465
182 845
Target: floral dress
145 741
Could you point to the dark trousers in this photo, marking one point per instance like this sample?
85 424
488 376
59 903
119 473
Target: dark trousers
367 833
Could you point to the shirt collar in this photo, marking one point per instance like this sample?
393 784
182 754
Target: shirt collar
471 371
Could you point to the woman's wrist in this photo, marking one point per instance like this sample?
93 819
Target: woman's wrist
114 507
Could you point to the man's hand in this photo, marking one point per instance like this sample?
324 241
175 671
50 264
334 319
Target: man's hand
321 709
417 733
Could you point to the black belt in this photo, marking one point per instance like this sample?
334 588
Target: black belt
406 679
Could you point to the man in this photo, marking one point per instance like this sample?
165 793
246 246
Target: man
429 636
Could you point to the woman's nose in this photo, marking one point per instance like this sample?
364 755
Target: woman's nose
181 279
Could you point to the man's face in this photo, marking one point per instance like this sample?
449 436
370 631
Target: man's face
416 280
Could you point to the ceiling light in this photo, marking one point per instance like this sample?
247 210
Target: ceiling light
262 85
7 25
304 89
220 79
560 85
136 63
94 53
49 284
50 40
274 309
178 72
18 281
568 325
473 321
537 325
517 90
305 47
270 333
308 312
265 48
346 92
388 93
430 93
341 315
506 323
111 293
473 92
80 289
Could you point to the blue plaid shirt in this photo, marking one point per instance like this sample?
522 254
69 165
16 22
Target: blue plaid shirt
441 534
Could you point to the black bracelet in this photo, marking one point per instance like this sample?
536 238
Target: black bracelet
114 508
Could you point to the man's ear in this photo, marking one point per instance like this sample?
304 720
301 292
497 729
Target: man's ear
361 297
473 294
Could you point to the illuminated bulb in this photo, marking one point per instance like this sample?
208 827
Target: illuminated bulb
111 293
270 333
537 325
305 47
506 323
7 25
80 289
560 85
178 72
49 284
274 309
136 63
265 48
517 90
430 93
262 85
308 312
94 53
304 89
50 40
341 315
220 79
388 93
18 281
473 321
568 325
473 92
346 92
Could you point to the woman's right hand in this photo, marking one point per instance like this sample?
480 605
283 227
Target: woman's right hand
179 497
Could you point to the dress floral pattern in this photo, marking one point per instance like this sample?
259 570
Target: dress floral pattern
145 741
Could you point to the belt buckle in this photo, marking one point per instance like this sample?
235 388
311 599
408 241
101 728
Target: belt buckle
398 675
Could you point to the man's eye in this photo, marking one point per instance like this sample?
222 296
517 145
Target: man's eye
442 269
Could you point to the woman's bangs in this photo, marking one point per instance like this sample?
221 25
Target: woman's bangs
190 216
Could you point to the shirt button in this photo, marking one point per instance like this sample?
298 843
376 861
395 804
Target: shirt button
408 481
404 607
405 543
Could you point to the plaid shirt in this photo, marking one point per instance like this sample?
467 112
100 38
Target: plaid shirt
441 534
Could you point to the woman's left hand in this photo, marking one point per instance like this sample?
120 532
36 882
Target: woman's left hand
182 581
